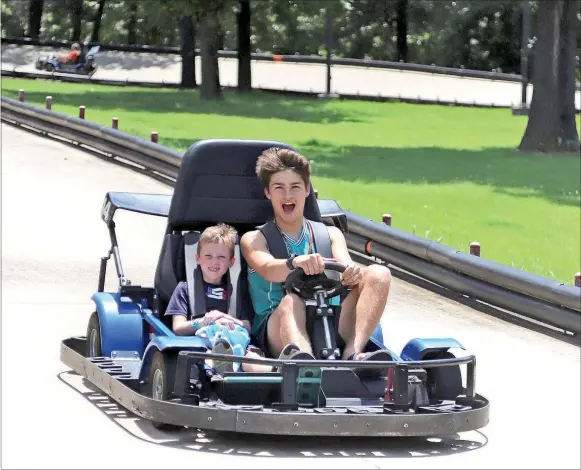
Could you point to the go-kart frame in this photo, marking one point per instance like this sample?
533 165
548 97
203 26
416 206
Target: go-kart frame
134 344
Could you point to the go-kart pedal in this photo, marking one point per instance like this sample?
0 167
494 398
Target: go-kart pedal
380 355
308 378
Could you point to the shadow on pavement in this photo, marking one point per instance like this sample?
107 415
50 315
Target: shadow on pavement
271 446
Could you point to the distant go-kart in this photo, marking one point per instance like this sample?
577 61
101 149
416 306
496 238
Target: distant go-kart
85 65
131 354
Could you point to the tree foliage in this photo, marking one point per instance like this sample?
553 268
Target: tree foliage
475 34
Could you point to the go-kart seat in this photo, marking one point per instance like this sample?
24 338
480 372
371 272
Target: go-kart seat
217 182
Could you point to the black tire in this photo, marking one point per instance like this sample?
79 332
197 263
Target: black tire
444 383
93 343
49 67
160 383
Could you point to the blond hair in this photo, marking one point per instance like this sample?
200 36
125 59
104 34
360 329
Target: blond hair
276 159
220 233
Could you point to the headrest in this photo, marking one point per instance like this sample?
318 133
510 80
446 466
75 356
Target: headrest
217 182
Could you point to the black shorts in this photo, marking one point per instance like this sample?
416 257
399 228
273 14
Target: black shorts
260 339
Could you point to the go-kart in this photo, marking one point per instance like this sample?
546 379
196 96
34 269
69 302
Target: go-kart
85 65
131 354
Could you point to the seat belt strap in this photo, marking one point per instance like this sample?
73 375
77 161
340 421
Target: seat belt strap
233 275
322 239
274 240
194 279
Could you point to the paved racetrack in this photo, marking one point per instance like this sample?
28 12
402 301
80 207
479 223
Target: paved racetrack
52 240
296 77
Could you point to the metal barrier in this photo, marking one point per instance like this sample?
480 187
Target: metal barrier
498 274
533 296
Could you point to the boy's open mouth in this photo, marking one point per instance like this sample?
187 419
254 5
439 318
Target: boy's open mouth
288 207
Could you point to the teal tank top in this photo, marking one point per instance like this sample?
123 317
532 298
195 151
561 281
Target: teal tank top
266 296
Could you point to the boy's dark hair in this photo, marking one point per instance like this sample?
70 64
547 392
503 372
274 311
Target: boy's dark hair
276 159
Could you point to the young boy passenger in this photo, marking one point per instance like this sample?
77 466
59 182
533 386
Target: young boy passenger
225 334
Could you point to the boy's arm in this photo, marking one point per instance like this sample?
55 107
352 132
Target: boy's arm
182 326
255 251
339 246
352 275
178 308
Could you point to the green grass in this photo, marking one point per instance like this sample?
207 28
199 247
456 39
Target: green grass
449 174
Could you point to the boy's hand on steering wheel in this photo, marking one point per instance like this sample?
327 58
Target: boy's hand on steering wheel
351 276
310 264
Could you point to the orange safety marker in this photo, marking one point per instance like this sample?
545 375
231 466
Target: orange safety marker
368 247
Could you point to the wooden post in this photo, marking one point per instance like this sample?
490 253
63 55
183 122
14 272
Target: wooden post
115 123
475 248
578 279
154 136
386 218
82 111
21 95
48 102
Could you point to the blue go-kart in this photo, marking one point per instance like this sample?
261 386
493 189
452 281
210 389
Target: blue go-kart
131 354
85 65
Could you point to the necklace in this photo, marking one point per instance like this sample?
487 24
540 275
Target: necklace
310 235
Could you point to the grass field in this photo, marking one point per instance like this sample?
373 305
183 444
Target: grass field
449 174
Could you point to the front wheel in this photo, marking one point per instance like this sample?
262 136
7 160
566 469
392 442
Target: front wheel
160 382
444 383
93 344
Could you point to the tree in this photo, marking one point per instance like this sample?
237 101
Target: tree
188 51
402 30
244 46
209 31
77 19
132 23
551 124
97 22
34 18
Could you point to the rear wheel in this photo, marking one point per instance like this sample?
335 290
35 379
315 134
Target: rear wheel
444 383
93 344
160 382
49 67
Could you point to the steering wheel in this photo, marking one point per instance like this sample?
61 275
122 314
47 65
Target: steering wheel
305 286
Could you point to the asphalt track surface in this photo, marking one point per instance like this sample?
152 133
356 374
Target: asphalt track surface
52 240
296 77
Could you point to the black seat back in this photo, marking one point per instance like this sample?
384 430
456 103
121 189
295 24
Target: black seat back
217 182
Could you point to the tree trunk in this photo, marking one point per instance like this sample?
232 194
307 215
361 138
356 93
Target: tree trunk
35 18
97 22
402 30
77 19
244 47
132 22
551 123
570 28
187 46
209 27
